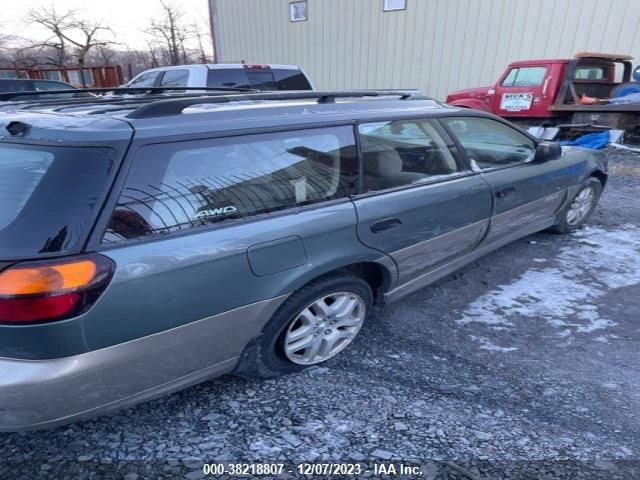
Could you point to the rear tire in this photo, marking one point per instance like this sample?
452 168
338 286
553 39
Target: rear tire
313 325
581 207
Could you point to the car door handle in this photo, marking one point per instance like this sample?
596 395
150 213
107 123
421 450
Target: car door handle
505 191
386 224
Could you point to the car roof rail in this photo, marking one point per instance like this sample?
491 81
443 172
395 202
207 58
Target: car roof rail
163 108
123 90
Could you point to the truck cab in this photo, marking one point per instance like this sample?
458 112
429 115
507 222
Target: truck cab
547 89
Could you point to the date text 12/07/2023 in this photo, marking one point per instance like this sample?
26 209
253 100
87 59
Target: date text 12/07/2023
358 469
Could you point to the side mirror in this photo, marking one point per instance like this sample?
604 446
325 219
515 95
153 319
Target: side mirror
547 151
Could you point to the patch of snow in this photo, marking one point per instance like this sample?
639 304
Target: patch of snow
612 256
594 321
565 294
626 450
485 344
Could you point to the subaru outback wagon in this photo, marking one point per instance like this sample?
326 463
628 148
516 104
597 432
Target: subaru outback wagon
152 242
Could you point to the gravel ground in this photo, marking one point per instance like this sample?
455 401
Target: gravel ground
521 365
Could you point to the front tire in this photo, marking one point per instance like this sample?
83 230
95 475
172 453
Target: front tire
313 325
581 207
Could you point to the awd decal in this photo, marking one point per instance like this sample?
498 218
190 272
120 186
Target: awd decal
214 212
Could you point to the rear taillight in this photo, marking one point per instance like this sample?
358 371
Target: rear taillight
52 290
257 67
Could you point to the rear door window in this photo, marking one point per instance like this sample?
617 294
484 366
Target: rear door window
177 187
405 152
175 78
48 196
148 79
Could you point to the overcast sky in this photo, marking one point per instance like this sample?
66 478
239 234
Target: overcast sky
127 18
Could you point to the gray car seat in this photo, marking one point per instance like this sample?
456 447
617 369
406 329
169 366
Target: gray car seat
383 169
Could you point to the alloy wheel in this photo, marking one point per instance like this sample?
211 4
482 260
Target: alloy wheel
581 206
324 328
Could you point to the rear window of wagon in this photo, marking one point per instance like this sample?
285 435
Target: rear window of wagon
48 196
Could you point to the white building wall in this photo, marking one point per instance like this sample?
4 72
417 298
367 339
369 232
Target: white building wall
435 45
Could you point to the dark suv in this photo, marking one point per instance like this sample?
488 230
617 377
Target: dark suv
154 241
16 88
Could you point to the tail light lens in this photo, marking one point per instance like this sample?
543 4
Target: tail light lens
257 67
52 290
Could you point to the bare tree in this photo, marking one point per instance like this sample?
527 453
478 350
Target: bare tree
4 39
58 25
200 37
171 31
71 37
89 38
26 57
103 55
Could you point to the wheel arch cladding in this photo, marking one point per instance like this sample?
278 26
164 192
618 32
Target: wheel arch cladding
600 176
376 275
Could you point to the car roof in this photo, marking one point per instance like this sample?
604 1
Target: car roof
32 80
79 120
223 66
538 62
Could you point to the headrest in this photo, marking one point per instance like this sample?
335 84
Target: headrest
383 163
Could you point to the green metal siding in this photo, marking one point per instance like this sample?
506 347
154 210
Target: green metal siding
435 45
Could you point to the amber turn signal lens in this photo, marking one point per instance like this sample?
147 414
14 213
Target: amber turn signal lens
47 279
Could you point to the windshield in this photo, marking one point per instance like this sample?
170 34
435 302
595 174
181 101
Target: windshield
48 196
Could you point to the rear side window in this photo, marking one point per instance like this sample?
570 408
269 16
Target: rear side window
175 78
48 196
176 187
20 173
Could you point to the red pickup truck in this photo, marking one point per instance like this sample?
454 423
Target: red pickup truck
577 92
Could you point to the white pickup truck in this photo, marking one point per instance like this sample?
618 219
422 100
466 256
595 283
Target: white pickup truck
227 75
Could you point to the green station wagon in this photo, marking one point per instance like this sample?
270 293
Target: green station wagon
152 241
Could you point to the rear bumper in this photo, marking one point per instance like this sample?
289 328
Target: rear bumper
45 393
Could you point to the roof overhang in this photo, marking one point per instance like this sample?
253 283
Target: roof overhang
603 56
